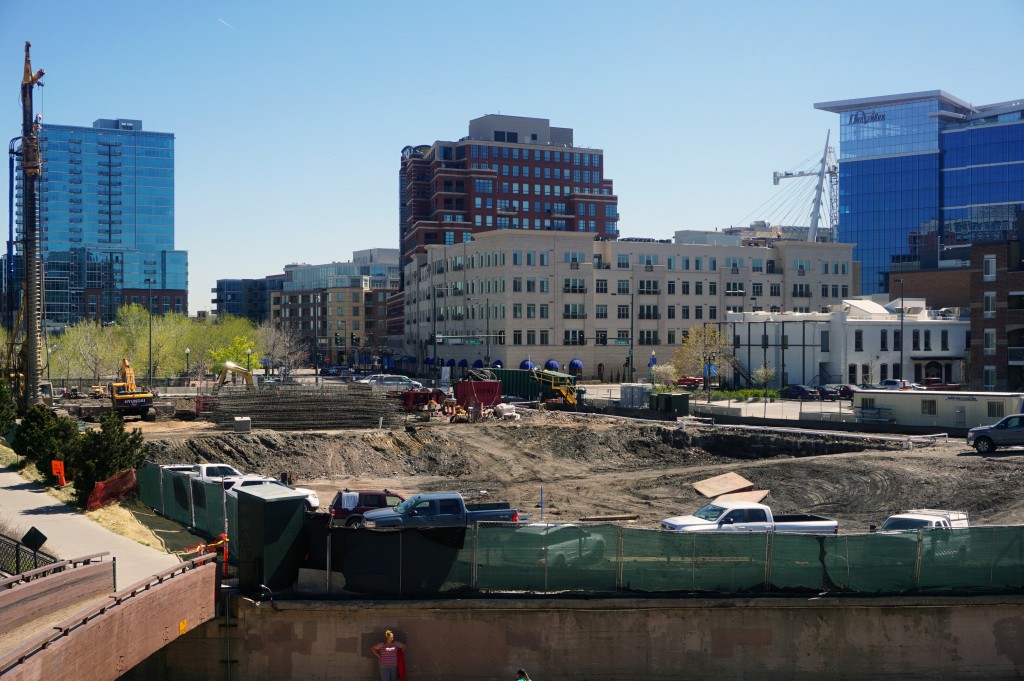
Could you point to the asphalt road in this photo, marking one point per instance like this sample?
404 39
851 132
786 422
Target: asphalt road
69 534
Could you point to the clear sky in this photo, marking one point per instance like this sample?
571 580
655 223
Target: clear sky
290 117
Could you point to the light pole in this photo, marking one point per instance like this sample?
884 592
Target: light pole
709 360
316 341
487 331
248 360
903 308
149 307
650 368
188 377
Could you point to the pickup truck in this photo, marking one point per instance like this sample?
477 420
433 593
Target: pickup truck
940 534
1009 432
348 506
747 516
217 473
438 509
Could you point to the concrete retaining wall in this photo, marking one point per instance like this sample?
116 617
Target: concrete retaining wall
609 639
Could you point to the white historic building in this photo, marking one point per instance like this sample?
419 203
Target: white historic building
856 341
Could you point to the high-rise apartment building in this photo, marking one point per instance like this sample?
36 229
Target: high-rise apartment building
923 171
106 222
509 172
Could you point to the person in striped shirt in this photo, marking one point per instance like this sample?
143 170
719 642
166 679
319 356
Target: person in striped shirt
387 654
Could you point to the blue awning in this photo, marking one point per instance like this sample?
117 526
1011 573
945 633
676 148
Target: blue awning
428 360
496 364
526 364
463 363
575 364
479 364
551 365
450 363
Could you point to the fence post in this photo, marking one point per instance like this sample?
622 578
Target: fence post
474 576
618 557
920 548
769 546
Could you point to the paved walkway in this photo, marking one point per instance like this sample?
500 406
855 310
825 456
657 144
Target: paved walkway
70 534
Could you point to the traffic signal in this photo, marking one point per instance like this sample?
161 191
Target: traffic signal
337 339
355 341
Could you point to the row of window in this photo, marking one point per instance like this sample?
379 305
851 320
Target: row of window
546 155
920 340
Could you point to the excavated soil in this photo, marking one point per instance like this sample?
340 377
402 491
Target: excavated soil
595 466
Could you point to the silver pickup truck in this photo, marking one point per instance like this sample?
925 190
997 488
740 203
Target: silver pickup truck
438 509
747 516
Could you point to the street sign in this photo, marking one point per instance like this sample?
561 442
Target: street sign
622 341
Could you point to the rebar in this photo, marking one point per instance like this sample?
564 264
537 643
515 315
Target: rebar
305 408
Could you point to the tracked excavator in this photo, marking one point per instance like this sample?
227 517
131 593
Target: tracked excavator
127 398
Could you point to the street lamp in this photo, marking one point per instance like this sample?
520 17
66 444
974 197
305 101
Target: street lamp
149 307
903 308
188 376
709 360
248 359
650 368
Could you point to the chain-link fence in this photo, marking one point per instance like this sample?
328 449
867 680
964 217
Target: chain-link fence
16 558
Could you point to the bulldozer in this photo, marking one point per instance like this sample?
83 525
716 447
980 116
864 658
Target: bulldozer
127 398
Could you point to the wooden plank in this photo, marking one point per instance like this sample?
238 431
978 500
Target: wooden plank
754 495
723 484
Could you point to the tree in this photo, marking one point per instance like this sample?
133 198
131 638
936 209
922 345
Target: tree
105 452
8 408
701 341
664 373
763 375
44 437
281 347
86 349
235 352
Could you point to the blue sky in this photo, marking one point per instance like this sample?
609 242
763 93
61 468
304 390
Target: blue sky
289 122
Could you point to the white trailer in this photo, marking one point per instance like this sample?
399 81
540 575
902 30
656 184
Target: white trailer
936 408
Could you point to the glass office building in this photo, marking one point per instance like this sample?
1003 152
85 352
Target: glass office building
922 171
107 222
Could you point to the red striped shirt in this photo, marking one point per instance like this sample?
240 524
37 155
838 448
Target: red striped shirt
389 654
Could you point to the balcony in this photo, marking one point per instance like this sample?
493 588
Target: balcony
574 315
574 341
649 292
574 289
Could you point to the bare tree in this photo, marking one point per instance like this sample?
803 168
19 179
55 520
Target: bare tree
281 346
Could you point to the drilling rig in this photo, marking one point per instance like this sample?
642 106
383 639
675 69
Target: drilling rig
23 357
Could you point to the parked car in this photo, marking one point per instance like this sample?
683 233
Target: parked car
552 545
250 481
845 390
372 378
867 386
799 392
393 382
690 382
747 516
438 509
827 393
1009 432
348 506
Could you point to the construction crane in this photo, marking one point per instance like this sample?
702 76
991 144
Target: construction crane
828 167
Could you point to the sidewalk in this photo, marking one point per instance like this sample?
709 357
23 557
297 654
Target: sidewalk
70 534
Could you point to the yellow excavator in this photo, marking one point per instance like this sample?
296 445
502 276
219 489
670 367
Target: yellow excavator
232 368
129 399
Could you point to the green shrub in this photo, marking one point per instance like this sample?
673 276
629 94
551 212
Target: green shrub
44 437
104 452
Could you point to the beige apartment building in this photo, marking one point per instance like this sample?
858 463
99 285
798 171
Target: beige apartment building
588 304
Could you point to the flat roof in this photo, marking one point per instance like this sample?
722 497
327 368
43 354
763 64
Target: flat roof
841 105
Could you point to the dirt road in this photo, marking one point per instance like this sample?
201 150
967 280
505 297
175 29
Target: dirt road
598 466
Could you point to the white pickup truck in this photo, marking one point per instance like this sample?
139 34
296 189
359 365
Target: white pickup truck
747 516
938 533
217 473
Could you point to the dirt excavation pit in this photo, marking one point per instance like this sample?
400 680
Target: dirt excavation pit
594 466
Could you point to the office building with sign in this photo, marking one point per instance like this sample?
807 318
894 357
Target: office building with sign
924 171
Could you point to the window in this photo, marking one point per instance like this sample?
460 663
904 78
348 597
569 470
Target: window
622 261
989 305
944 339
927 340
671 288
517 337
989 342
601 311
757 290
995 409
623 312
543 311
545 337
698 288
824 341
517 284
928 407
989 268
517 311
775 290
897 340
858 340
622 286
684 288
915 336
712 312
883 340
684 312
601 285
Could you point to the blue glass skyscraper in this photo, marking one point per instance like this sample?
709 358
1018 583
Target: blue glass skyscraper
107 222
922 171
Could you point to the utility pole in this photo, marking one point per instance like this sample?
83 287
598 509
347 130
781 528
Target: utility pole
31 170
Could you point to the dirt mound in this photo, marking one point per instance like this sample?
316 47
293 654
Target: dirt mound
590 466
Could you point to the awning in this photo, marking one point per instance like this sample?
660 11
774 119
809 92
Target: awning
496 364
428 360
463 363
551 365
479 364
575 364
450 363
526 364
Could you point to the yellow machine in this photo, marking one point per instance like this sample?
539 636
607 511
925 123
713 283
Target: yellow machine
127 398
232 368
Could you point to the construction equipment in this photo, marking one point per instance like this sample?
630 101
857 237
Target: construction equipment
232 368
127 398
560 384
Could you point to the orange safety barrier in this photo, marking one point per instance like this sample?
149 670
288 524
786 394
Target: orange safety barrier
221 541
